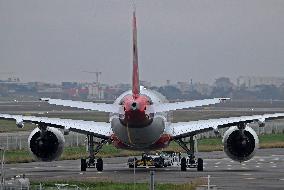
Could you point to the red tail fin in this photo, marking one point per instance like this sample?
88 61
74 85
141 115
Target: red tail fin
135 72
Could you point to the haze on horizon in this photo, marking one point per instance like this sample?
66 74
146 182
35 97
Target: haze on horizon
54 41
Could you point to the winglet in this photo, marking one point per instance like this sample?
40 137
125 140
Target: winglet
44 99
135 72
224 99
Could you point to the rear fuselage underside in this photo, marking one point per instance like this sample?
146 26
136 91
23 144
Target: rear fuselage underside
146 135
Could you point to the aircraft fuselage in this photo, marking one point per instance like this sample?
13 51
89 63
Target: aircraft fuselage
134 127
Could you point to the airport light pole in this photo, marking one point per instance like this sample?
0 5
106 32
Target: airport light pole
134 173
2 167
152 182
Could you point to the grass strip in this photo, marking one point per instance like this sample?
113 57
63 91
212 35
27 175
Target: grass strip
116 186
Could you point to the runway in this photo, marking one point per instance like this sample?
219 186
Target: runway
264 171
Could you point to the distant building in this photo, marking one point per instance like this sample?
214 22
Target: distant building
122 87
146 84
203 89
223 83
252 81
95 91
68 85
183 87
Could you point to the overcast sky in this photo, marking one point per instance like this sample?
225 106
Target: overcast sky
56 40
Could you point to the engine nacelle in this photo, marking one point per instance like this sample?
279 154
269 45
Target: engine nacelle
240 147
20 124
261 122
47 146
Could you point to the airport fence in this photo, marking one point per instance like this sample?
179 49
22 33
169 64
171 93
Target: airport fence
19 141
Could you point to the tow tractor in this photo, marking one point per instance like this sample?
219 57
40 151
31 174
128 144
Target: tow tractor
157 161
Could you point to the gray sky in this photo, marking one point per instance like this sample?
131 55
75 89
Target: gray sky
55 40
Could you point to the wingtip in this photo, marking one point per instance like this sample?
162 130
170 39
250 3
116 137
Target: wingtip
224 99
44 99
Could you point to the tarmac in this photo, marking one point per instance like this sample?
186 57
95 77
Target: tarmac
264 171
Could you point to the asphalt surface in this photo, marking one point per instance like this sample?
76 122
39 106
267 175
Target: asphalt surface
264 171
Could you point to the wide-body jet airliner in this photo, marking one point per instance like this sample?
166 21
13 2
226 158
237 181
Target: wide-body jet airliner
139 121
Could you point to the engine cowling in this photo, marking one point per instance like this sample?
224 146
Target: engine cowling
20 124
47 146
240 147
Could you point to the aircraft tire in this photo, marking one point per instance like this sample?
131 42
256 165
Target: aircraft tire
183 164
199 164
83 164
100 164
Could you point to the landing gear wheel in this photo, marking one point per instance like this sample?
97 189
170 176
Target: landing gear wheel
83 164
135 164
132 162
183 164
159 162
199 164
99 164
92 161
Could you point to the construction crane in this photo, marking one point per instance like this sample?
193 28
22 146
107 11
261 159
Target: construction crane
98 74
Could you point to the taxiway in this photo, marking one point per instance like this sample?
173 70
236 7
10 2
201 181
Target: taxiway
264 171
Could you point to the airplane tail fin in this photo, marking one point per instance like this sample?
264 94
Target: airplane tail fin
135 72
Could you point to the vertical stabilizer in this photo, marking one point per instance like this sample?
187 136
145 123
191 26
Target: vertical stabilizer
135 72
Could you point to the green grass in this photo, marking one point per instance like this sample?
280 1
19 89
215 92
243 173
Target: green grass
207 113
18 156
271 138
10 126
70 153
204 145
272 141
118 186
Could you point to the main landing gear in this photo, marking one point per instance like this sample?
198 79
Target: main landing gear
191 161
92 161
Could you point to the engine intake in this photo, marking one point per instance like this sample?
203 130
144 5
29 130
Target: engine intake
46 146
240 146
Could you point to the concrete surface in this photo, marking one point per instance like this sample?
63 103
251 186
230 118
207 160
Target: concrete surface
264 171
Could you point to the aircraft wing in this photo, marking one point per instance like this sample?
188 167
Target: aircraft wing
185 129
187 104
98 129
84 105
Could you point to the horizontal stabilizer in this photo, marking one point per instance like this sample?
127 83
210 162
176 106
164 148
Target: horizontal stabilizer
83 105
187 104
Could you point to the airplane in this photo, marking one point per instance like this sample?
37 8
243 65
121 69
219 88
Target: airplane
139 120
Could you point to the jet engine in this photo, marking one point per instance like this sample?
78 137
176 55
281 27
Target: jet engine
46 145
240 145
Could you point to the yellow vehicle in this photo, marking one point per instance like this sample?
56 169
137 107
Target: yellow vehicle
146 160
